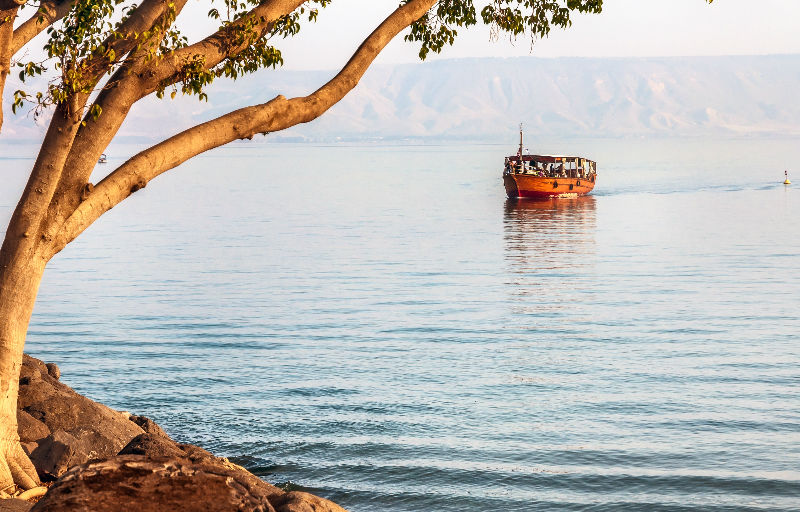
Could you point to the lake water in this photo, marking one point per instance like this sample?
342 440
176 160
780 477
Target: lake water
378 325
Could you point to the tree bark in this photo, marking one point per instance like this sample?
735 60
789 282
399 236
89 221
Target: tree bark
8 12
48 13
20 274
23 256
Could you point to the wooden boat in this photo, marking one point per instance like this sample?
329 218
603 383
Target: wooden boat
544 176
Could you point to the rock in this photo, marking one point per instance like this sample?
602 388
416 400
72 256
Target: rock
303 502
67 410
156 443
15 505
175 484
56 454
78 429
30 365
133 482
29 447
152 445
29 428
148 425
61 450
197 454
53 370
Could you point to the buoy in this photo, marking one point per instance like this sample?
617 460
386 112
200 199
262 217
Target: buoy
786 181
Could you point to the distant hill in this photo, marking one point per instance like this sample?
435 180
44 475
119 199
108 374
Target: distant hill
487 98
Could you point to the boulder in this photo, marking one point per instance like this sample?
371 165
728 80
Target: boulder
148 425
296 501
53 370
68 428
152 445
61 408
56 454
176 484
134 482
29 428
14 505
61 450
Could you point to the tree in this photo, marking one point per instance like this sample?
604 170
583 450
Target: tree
105 55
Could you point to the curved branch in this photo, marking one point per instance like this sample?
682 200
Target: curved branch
8 12
144 18
136 80
217 47
275 115
130 83
42 184
93 137
49 12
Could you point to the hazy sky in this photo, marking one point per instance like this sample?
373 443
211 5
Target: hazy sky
625 28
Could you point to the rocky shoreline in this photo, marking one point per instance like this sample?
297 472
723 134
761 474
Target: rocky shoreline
97 459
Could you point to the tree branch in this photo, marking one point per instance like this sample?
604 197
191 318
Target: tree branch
33 205
130 83
93 137
217 47
10 4
141 19
49 12
144 18
8 12
137 80
275 115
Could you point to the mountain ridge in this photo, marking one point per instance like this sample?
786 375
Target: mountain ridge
486 98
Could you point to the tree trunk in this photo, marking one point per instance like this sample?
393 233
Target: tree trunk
21 270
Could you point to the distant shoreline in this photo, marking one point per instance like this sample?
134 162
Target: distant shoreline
486 99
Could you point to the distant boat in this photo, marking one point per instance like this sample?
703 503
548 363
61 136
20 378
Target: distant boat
544 176
103 159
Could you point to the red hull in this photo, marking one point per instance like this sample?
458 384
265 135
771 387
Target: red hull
530 186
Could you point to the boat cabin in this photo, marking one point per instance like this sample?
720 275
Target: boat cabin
551 166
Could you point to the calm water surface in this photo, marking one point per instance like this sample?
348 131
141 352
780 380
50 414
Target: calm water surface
378 325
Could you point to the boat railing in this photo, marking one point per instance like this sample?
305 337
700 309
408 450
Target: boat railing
565 169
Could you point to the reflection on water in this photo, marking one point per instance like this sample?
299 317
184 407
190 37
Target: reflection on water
549 251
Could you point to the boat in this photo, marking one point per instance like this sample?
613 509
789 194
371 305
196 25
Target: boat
103 159
547 176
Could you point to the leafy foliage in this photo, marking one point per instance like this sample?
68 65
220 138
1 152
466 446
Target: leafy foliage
436 28
93 40
515 17
246 38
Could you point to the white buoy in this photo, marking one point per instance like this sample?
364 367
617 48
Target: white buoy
786 181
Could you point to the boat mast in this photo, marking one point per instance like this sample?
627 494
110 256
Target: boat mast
519 153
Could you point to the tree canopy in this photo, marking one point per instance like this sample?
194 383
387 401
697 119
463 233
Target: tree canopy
88 39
